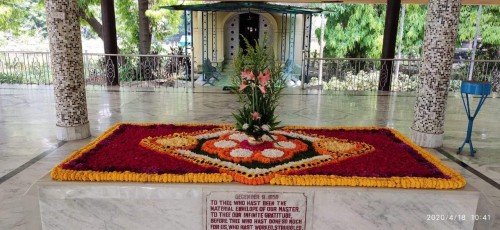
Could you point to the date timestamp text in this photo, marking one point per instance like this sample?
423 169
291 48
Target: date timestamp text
457 217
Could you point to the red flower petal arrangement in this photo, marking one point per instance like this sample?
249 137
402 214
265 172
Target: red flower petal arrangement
202 153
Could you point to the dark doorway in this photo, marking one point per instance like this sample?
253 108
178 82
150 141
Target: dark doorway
249 29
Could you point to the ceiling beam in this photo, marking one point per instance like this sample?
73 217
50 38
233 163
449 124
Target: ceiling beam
464 2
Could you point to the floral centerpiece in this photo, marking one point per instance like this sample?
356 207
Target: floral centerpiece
258 85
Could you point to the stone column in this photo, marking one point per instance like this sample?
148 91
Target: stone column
66 63
439 42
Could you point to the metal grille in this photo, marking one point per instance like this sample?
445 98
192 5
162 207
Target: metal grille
33 68
291 39
204 37
284 18
214 36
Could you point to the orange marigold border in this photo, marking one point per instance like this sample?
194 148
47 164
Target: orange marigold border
456 180
58 173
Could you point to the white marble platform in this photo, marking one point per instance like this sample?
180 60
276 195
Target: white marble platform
74 205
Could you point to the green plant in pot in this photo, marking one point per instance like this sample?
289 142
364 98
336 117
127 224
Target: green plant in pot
258 83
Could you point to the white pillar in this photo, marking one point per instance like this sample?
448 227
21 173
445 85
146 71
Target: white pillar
66 63
437 59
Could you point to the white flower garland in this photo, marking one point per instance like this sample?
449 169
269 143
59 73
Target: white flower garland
224 144
273 153
297 135
268 138
241 153
212 135
285 145
242 168
238 136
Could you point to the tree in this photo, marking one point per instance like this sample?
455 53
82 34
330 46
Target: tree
142 23
357 30
354 30
488 29
145 35
413 31
164 22
10 15
22 17
89 15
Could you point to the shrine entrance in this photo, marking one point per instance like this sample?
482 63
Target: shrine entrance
249 29
217 30
254 27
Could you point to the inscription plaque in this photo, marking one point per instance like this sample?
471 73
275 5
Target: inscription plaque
256 211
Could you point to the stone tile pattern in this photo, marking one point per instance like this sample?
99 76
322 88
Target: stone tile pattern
63 26
439 41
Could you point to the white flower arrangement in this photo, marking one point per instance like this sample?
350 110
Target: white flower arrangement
258 84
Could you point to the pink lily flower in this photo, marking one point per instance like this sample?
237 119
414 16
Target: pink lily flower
243 85
248 75
264 78
255 115
263 89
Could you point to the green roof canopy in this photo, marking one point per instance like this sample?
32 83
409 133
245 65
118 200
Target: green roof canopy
246 6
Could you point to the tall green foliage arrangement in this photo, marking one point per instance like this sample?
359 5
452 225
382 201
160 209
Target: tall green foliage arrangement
258 86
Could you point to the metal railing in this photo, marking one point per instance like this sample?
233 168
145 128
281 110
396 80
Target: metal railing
360 74
99 69
363 74
138 70
25 68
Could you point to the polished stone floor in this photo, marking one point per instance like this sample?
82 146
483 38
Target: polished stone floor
29 149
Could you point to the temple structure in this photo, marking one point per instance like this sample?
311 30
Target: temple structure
219 25
219 30
38 136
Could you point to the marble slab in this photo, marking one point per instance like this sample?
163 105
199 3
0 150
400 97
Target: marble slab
75 205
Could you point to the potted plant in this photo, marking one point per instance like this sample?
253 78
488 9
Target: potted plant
258 84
